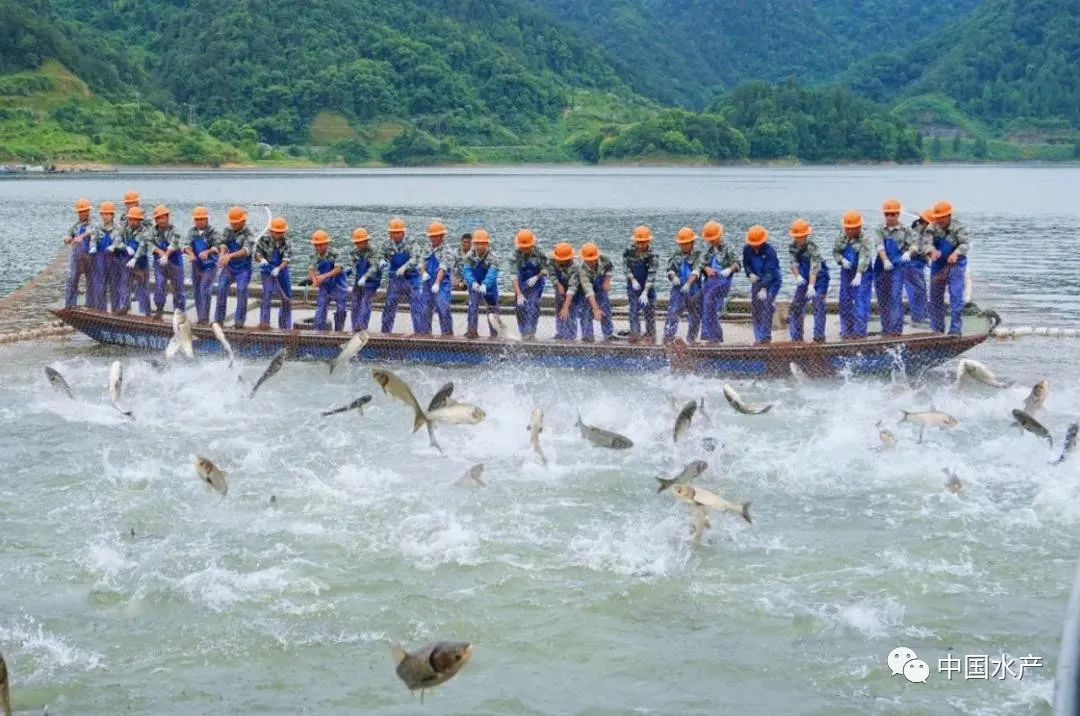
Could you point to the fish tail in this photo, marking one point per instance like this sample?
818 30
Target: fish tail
664 484
431 439
419 419
746 512
906 414
578 423
766 409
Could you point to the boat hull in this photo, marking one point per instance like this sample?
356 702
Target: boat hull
911 353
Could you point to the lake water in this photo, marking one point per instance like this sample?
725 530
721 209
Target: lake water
128 589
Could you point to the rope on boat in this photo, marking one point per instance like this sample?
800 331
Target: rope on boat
1012 333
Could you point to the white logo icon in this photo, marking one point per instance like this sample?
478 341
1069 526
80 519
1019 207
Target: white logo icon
902 660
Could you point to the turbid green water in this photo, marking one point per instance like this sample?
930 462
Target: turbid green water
577 583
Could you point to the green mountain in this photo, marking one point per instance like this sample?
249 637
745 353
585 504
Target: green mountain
1011 63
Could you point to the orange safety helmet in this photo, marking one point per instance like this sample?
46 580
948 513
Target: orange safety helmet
757 235
799 229
927 215
131 197
436 228
481 237
852 220
563 252
712 230
135 213
82 205
642 235
589 252
237 215
107 207
395 224
320 237
160 210
891 206
279 225
685 235
942 209
525 239
200 212
359 235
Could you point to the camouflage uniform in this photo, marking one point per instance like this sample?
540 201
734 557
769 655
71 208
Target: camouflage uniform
525 266
641 267
592 280
719 257
238 270
162 240
396 255
854 302
132 247
888 283
485 272
682 299
271 255
948 277
203 271
334 288
807 261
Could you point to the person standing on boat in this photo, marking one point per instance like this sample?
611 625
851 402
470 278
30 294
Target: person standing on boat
913 271
201 250
435 284
100 278
132 200
272 255
948 252
718 265
810 273
889 241
134 240
594 277
367 277
528 276
763 269
80 262
403 278
683 268
168 262
568 298
459 262
328 275
640 263
854 254
234 264
481 274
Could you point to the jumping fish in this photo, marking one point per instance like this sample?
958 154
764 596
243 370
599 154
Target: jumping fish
1032 425
699 522
705 418
396 388
691 471
220 335
182 331
1037 397
172 348
455 414
706 498
57 382
116 386
953 484
968 368
210 474
1070 443
741 407
603 438
439 400
5 689
933 418
797 373
357 404
350 349
499 325
682 423
271 370
431 665
535 427
473 477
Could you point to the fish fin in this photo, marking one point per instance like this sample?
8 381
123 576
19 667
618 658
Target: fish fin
419 418
431 440
331 364
664 484
578 423
746 512
398 654
901 421
764 410
543 458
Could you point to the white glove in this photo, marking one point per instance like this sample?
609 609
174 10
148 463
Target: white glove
276 271
532 281
93 249
905 257
401 271
762 294
845 263
477 287
434 288
728 271
635 285
754 278
131 264
799 280
521 301
424 277
263 262
131 251
675 282
857 280
643 299
887 265
163 261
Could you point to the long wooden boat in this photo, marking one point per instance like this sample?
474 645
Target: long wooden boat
911 353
